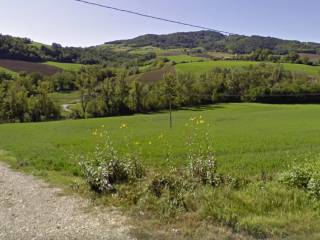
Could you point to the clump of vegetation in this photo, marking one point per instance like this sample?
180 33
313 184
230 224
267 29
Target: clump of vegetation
306 177
105 167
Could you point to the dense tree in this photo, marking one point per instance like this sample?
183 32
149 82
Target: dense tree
86 83
136 97
26 98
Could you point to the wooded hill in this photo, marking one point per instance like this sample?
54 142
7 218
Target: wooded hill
213 41
24 49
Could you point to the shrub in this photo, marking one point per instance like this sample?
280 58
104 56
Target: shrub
172 188
306 177
296 177
204 169
314 186
105 168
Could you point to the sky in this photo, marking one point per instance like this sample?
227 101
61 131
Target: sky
71 23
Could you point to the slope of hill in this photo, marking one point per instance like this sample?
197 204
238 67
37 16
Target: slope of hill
218 42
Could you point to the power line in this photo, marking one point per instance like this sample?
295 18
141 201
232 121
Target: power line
154 17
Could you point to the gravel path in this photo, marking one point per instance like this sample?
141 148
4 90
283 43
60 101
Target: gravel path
30 209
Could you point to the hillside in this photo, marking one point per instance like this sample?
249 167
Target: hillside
131 51
16 48
212 41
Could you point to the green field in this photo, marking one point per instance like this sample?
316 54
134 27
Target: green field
251 141
65 98
184 58
202 67
249 138
66 66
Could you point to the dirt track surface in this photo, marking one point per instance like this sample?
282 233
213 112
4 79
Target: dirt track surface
30 209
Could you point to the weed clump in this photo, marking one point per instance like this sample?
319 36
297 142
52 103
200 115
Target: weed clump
105 167
306 177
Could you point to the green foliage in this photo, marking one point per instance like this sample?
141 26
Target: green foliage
297 177
26 98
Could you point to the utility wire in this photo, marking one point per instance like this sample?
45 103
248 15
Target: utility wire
154 17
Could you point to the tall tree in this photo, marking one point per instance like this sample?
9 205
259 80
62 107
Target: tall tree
86 83
170 91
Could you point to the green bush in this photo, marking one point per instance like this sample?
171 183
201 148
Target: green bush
306 177
296 177
314 186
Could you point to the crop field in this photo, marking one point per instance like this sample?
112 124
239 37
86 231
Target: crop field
155 75
313 57
29 67
66 66
251 141
201 67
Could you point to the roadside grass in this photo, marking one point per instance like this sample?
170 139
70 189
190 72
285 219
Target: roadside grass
66 66
203 67
253 143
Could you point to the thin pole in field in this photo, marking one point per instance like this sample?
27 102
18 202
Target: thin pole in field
170 110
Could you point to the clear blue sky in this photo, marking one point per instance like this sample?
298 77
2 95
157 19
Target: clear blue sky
74 24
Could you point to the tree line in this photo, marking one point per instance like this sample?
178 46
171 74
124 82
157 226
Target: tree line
112 91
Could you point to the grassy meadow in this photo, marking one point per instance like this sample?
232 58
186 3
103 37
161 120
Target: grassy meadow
202 67
251 141
66 66
249 138
184 58
65 97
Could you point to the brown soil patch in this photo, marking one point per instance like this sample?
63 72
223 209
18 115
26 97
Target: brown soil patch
312 57
28 67
156 75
